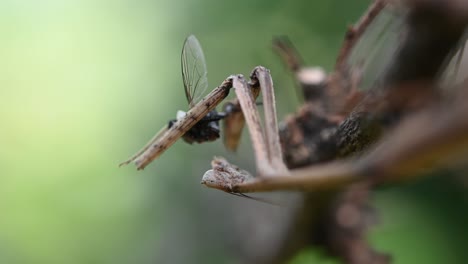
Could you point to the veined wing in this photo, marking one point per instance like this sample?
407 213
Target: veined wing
194 72
374 52
375 49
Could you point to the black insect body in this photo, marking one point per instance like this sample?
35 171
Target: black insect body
206 130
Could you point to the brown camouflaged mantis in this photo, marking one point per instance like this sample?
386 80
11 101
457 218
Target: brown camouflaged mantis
404 152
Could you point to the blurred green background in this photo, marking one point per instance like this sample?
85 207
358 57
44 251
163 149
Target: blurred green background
84 84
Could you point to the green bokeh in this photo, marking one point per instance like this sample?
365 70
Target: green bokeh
84 83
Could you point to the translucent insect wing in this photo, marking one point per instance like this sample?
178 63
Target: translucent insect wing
194 72
376 48
456 71
374 51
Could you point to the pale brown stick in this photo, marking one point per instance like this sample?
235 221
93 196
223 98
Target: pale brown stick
234 122
182 125
330 176
252 118
275 152
151 142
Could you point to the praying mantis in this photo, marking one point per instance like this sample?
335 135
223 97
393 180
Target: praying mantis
385 157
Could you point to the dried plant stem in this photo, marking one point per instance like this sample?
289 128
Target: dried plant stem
322 177
275 153
182 125
252 118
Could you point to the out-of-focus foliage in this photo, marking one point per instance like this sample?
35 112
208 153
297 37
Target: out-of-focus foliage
83 84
